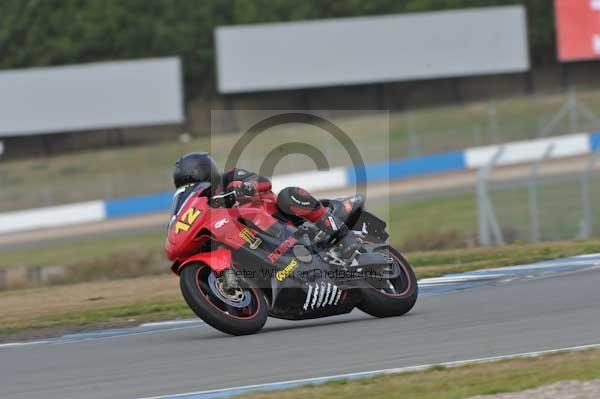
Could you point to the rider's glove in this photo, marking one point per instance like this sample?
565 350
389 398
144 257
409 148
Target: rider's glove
243 189
248 189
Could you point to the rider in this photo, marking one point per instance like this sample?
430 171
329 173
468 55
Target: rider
294 202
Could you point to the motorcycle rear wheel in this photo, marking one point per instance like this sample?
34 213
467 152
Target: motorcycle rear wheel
242 313
391 297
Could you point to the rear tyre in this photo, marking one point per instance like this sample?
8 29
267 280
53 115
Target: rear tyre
240 312
391 297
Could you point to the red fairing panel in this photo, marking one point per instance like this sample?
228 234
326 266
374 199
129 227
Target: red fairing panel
196 222
218 260
257 216
185 227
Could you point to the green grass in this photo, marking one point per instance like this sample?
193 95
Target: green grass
455 382
436 263
116 314
559 212
85 250
129 171
410 218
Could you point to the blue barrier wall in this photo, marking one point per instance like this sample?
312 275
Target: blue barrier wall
138 205
595 141
410 167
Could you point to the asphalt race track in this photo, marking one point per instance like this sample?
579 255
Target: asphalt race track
516 315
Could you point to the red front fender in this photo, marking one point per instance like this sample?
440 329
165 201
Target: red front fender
218 260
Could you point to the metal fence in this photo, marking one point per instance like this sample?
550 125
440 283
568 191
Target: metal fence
541 206
498 122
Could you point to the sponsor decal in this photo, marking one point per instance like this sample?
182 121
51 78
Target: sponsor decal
364 229
287 271
315 296
307 301
221 223
320 295
297 201
187 219
326 298
281 249
333 292
332 223
251 238
337 298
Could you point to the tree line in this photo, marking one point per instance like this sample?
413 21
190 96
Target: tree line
58 32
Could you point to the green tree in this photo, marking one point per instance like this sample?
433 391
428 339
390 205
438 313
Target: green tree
57 32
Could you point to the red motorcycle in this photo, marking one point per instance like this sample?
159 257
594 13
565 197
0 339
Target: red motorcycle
239 264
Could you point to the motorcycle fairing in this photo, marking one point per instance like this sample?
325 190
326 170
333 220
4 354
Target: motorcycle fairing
299 300
310 292
196 222
218 260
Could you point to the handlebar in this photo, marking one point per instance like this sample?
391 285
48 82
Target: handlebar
225 200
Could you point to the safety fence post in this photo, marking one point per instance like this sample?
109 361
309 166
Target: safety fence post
488 227
3 279
571 108
534 211
587 217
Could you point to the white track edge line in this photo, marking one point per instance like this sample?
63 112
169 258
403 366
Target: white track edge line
58 341
382 372
171 322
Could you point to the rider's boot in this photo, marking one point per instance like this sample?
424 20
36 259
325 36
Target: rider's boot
333 231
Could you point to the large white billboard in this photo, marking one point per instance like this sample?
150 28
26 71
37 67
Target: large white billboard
91 96
371 49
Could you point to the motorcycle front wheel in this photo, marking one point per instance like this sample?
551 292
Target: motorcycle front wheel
391 297
240 311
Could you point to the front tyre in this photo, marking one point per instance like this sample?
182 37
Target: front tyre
391 297
241 311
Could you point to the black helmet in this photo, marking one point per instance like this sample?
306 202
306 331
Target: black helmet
194 168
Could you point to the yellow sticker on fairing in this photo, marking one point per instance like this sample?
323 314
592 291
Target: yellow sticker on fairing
187 219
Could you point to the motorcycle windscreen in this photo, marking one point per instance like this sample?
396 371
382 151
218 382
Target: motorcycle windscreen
183 193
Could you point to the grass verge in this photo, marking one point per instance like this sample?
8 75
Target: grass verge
49 311
85 250
456 382
436 263
109 317
133 300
